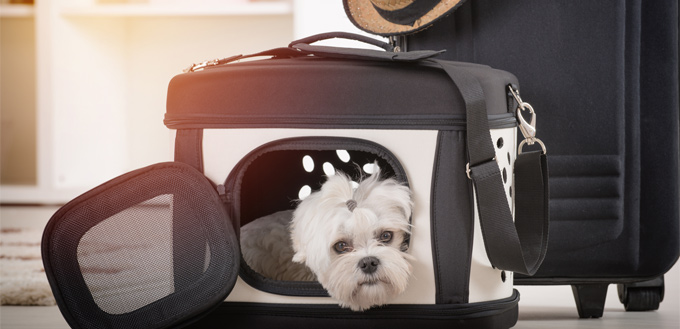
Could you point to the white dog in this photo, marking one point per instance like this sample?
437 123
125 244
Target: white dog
354 241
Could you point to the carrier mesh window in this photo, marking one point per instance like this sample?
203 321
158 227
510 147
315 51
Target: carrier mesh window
148 249
126 269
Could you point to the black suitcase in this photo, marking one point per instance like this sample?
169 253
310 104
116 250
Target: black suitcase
604 77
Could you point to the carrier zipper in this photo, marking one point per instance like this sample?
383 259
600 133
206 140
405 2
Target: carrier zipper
506 120
224 195
202 65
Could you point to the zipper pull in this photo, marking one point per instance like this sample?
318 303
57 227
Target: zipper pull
201 65
222 192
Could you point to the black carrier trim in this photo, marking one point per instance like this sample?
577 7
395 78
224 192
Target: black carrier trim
241 215
498 314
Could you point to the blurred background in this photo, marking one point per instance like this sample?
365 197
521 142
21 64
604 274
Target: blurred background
84 82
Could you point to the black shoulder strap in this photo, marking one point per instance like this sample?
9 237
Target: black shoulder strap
520 246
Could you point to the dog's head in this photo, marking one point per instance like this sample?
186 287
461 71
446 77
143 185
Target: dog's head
356 240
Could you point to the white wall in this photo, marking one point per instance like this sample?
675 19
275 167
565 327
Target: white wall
102 79
319 16
159 48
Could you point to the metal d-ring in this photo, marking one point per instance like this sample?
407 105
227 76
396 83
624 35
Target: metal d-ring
531 141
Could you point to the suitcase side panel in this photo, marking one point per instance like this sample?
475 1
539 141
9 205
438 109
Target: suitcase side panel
597 88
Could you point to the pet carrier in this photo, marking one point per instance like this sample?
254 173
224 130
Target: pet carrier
158 247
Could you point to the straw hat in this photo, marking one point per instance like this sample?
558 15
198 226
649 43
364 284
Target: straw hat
395 17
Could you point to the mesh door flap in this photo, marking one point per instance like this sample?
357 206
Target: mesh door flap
149 249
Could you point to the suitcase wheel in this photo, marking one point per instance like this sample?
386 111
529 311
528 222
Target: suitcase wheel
642 296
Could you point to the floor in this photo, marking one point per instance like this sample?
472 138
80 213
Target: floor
540 306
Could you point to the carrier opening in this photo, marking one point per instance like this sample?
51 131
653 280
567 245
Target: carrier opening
271 180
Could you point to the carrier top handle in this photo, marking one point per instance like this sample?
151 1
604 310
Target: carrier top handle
342 35
518 246
304 46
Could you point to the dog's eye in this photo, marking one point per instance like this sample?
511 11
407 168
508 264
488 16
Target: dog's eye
385 237
342 247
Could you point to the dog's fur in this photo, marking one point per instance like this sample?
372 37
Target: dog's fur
361 218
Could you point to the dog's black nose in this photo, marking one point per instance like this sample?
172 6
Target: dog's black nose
369 265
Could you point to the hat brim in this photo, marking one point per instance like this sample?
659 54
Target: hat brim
367 17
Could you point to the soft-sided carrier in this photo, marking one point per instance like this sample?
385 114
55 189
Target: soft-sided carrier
158 247
605 75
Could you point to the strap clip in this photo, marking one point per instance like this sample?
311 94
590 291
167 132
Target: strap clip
528 129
